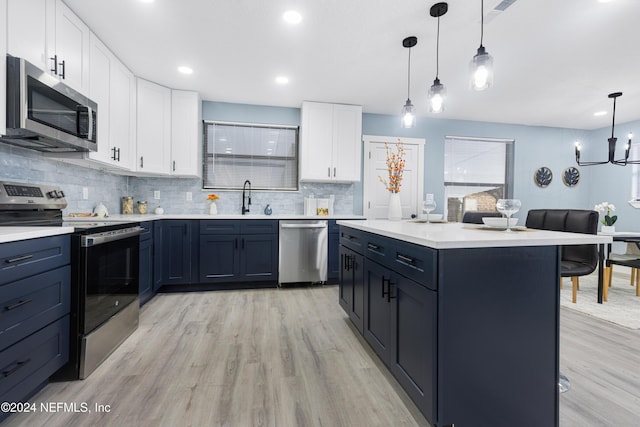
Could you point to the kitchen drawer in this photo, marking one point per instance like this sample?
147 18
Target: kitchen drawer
333 227
415 262
353 239
148 230
219 226
30 362
258 226
378 248
28 257
29 304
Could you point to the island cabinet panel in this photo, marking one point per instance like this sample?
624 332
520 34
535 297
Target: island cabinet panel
498 336
377 309
219 258
351 289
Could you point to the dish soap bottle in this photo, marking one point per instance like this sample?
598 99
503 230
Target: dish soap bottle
267 210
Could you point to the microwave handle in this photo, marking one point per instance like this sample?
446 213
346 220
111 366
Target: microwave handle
90 118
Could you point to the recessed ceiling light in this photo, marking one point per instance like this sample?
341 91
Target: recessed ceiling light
185 70
292 17
599 113
282 80
605 1
146 1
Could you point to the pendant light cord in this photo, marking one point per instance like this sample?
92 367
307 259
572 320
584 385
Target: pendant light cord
409 75
613 122
438 50
481 21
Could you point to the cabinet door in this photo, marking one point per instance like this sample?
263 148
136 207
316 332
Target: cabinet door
177 252
153 128
414 348
357 307
316 141
158 238
347 142
145 278
26 35
186 134
71 45
259 257
122 92
100 77
333 260
377 311
219 258
346 279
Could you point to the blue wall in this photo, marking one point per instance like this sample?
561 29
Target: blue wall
534 147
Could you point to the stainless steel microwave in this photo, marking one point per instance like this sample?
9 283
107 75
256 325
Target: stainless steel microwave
46 115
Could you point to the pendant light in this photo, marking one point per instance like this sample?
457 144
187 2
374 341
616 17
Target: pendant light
437 91
408 114
612 144
481 65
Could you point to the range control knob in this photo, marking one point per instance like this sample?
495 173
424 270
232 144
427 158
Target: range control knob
52 194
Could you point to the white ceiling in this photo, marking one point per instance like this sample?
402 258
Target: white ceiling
555 60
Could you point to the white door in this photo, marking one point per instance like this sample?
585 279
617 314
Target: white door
375 196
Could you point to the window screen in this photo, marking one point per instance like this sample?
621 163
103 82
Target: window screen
266 155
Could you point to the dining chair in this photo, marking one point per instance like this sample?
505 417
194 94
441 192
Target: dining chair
576 260
475 217
631 259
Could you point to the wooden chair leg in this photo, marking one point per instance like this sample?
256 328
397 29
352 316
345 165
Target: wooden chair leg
634 271
637 281
607 283
574 288
561 283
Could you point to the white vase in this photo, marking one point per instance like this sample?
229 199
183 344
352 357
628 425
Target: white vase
608 229
213 209
395 207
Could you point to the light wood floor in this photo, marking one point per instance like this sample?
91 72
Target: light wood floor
290 358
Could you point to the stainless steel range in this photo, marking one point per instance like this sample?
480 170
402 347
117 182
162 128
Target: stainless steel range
104 288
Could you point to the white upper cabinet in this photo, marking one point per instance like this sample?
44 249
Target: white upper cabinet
112 87
186 134
330 142
50 36
3 67
153 125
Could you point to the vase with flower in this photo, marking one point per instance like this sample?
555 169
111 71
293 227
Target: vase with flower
213 208
609 220
395 168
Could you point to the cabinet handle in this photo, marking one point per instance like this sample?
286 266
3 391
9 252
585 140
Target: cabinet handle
113 157
405 259
242 245
18 259
118 155
383 292
329 172
141 162
63 68
389 297
55 64
174 165
334 172
15 368
16 305
373 247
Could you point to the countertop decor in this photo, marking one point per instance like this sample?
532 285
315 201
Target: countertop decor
395 167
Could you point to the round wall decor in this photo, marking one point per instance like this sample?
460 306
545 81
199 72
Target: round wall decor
571 176
543 176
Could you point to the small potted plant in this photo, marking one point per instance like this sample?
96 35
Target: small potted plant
609 220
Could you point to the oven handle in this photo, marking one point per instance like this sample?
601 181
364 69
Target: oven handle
109 236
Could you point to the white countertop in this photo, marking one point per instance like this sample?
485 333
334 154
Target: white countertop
13 234
459 235
151 217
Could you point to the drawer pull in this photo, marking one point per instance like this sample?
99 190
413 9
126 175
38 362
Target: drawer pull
405 259
15 368
20 258
373 247
16 305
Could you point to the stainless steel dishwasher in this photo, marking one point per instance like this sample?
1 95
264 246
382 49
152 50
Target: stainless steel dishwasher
303 251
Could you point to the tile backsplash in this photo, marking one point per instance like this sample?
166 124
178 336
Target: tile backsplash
20 165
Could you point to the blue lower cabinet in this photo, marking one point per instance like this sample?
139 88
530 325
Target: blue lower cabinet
259 257
179 250
377 309
29 363
351 289
333 260
145 279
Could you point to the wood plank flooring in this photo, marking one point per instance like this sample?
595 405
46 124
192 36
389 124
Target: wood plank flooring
289 357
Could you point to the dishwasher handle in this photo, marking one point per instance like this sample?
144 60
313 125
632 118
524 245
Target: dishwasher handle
303 225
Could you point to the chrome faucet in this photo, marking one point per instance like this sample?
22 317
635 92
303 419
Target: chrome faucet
245 209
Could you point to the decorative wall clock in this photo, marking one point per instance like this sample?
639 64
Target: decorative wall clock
543 176
571 176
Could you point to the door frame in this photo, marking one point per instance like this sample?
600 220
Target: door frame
366 186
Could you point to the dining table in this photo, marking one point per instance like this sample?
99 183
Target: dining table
605 251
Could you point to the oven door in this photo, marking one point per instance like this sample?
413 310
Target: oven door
109 275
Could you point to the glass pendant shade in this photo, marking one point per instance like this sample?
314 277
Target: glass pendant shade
408 115
437 95
481 68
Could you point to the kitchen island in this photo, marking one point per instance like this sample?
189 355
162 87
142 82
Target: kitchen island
466 318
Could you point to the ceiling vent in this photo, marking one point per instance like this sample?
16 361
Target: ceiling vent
496 11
